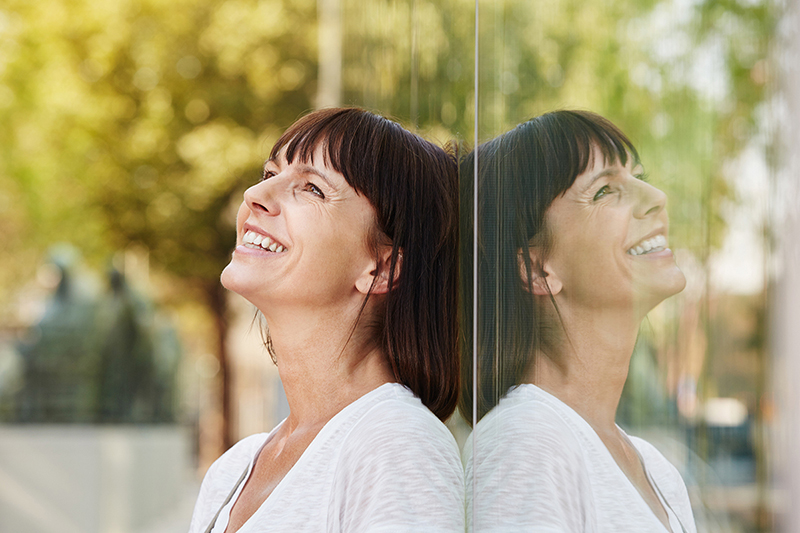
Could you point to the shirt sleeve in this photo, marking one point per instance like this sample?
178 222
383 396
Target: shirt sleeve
399 471
528 473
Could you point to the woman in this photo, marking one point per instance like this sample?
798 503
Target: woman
348 247
572 254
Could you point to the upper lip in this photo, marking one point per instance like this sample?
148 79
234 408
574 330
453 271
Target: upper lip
658 231
249 227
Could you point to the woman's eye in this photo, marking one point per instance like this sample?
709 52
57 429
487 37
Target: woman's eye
643 176
267 174
605 189
310 187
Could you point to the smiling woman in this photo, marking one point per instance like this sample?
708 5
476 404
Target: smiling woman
348 247
576 242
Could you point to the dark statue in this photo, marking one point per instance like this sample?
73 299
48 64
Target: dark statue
97 358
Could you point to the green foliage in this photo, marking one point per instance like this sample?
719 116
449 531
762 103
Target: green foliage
413 61
141 121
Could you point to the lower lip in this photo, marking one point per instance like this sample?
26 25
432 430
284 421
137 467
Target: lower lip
258 252
663 254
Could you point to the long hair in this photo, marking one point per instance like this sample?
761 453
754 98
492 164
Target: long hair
413 186
520 173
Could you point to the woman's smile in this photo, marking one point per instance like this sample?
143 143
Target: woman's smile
609 208
258 240
649 245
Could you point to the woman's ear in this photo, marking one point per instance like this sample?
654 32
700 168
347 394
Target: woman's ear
376 277
542 282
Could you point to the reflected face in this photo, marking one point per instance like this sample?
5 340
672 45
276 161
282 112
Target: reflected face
610 234
302 237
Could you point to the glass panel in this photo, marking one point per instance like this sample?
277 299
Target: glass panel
692 86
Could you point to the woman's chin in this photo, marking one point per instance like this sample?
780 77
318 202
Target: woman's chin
232 280
650 295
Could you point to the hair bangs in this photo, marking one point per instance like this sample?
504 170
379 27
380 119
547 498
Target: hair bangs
593 132
346 135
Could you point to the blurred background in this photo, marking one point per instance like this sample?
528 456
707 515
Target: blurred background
130 128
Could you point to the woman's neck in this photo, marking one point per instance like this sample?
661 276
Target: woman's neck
323 367
588 369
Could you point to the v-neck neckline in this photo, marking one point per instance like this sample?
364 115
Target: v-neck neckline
315 443
226 512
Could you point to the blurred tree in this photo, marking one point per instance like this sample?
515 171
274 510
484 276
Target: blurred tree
140 122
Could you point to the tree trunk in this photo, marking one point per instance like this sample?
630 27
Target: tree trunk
216 296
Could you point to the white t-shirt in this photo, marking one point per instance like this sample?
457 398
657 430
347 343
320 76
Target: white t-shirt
383 463
541 467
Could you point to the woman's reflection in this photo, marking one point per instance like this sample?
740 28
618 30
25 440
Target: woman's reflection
573 252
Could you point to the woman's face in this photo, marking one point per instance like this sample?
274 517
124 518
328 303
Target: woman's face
302 237
610 240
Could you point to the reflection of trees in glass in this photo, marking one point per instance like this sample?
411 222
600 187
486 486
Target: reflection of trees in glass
687 80
412 60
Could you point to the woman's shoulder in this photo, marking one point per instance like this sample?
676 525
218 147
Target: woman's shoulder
528 466
398 438
396 418
399 469
529 419
529 442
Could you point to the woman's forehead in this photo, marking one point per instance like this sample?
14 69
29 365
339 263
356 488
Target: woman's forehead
316 157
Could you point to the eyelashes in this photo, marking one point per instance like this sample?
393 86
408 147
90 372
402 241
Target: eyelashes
313 189
310 187
604 190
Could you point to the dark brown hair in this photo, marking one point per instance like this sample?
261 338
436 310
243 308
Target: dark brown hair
520 173
412 184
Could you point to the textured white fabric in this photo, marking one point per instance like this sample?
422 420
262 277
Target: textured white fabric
542 468
383 463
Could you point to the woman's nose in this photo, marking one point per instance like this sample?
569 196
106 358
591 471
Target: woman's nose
263 197
650 200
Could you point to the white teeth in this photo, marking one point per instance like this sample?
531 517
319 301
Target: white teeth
251 237
648 245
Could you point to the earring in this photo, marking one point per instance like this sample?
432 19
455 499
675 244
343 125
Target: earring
267 339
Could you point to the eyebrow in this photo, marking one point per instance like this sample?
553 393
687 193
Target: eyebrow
305 169
603 173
